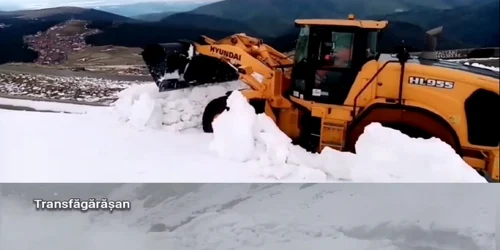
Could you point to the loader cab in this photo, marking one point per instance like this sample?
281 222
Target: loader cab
328 56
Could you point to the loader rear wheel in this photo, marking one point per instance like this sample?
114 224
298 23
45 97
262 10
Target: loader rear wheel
212 110
412 121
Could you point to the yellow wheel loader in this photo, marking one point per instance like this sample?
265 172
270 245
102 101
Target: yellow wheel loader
337 83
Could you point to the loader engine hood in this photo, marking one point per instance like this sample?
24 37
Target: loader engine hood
429 57
178 65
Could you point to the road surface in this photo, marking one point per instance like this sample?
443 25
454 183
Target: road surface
29 98
23 108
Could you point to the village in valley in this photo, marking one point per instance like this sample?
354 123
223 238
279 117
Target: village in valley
56 44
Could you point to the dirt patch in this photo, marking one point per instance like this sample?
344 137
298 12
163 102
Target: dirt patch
73 28
105 55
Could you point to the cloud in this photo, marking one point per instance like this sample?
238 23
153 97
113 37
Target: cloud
38 4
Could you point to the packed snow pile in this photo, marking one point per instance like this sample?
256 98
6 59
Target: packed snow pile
144 107
473 59
383 154
478 65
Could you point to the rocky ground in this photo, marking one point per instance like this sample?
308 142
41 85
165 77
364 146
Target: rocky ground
85 89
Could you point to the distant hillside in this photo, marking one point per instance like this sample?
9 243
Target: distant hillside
153 17
474 25
414 36
141 34
170 29
271 17
30 22
147 8
190 20
460 21
394 34
64 13
465 26
281 13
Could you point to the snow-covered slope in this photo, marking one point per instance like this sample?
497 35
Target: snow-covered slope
255 216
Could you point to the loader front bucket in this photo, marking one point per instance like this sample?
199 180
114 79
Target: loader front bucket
178 65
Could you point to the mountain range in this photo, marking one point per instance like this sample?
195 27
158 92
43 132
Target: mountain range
144 10
59 14
466 23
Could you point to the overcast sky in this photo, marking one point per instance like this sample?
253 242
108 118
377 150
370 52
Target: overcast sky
35 4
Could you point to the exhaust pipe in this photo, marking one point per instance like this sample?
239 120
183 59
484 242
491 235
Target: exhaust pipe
178 65
430 46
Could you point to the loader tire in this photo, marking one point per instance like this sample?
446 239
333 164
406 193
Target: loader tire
212 110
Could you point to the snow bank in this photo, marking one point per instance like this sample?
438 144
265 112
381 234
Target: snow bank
394 155
478 65
475 59
383 154
144 107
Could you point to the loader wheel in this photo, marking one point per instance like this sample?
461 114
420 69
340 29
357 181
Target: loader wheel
417 123
212 110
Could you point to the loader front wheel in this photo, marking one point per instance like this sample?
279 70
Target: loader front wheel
212 110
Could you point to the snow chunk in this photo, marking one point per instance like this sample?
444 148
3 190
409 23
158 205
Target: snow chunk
146 112
276 142
234 129
383 154
177 110
240 134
